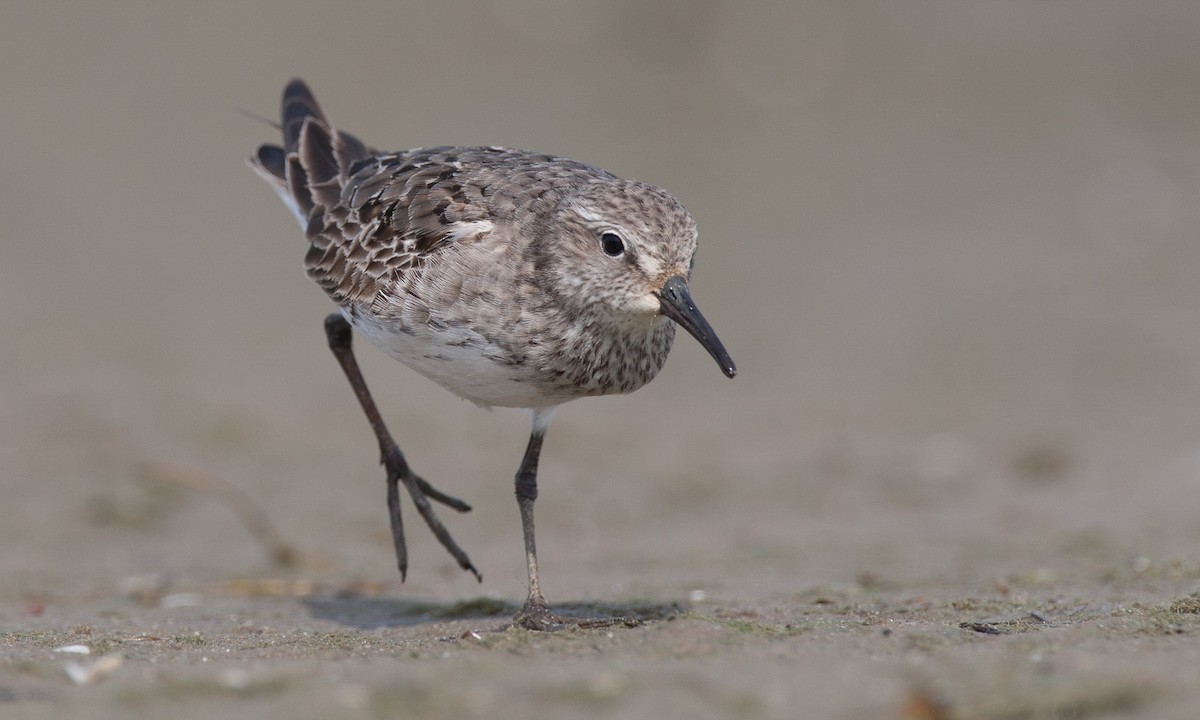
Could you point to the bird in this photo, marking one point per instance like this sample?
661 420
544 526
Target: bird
510 278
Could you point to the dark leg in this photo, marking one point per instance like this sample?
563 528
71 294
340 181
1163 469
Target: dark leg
337 330
535 615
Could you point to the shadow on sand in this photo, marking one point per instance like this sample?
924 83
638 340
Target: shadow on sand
373 612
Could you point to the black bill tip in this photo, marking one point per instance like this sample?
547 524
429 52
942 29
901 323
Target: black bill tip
677 304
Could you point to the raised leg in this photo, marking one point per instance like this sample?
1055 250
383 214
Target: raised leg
338 332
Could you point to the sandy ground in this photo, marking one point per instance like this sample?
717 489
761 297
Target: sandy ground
952 247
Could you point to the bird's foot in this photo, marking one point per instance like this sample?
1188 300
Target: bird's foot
536 615
398 470
398 473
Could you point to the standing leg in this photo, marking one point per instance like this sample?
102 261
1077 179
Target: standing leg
535 615
337 330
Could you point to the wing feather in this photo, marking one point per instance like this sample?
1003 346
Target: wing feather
373 220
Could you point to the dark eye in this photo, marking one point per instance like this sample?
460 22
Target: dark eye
612 244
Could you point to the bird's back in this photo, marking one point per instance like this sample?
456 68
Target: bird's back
371 217
430 253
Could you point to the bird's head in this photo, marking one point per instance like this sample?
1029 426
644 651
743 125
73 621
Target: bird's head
626 249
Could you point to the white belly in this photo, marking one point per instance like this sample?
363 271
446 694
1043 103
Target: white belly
463 362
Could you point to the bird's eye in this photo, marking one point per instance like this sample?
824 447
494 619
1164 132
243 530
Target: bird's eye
612 244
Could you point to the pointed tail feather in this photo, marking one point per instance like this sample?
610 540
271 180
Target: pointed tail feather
315 158
297 106
270 159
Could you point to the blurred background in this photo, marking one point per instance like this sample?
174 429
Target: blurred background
952 246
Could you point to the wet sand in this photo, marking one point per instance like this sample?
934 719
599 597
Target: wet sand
951 247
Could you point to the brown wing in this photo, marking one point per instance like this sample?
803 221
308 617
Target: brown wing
370 230
390 215
371 219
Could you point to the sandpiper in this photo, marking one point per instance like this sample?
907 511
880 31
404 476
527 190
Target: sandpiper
511 278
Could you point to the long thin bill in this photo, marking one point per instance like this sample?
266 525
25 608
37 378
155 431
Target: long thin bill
677 304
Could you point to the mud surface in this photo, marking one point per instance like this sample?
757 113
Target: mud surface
952 248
